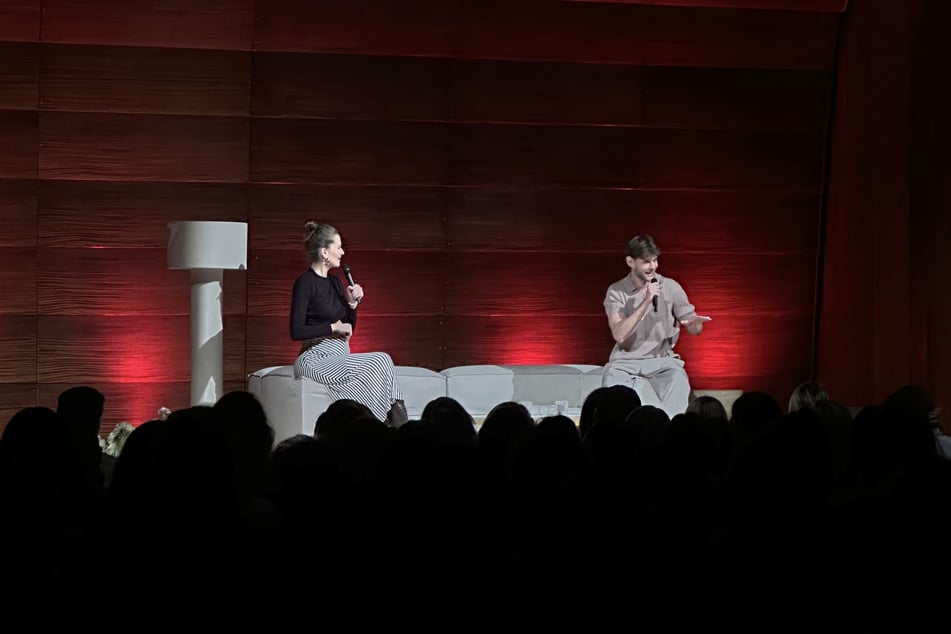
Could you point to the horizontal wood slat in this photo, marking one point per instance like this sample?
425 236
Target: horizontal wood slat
17 348
397 283
499 339
409 340
20 20
736 99
98 282
680 36
726 357
19 73
367 217
18 281
544 155
19 137
723 222
541 218
351 87
536 92
145 80
717 159
828 6
133 403
542 285
123 214
14 397
18 213
219 24
103 349
539 31
85 146
404 27
308 151
585 220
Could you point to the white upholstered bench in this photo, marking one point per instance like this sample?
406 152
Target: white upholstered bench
292 405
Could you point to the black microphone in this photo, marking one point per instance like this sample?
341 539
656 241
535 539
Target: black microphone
346 271
654 299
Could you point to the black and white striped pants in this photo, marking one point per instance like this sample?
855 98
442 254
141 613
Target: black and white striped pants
366 377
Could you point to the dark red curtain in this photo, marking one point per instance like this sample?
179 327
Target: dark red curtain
883 297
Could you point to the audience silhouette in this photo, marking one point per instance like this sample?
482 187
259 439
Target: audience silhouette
804 514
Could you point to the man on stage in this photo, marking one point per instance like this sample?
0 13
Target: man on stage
645 313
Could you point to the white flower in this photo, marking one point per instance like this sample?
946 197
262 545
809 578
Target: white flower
117 438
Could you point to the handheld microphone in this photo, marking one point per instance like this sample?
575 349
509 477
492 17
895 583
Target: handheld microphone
346 271
654 299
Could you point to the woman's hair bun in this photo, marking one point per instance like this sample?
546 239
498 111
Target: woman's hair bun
311 225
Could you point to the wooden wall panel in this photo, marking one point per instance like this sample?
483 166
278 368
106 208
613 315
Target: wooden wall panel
723 357
20 20
736 99
19 140
546 92
542 286
124 282
133 349
385 27
395 283
133 403
562 284
700 221
367 217
829 6
215 24
19 75
13 398
729 286
307 151
502 339
544 155
144 80
17 213
717 159
18 281
17 348
85 146
540 31
123 214
539 218
410 340
722 222
742 39
350 87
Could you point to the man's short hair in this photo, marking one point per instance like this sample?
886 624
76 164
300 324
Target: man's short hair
642 247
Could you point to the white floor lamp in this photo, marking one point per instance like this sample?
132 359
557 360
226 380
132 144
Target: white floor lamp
207 249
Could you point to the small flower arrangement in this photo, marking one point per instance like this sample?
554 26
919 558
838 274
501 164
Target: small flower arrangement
117 438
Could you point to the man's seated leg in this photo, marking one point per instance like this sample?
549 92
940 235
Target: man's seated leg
672 387
647 391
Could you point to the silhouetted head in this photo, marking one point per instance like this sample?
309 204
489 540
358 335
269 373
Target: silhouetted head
503 424
450 421
338 415
245 420
911 400
805 395
755 410
81 409
614 404
706 406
